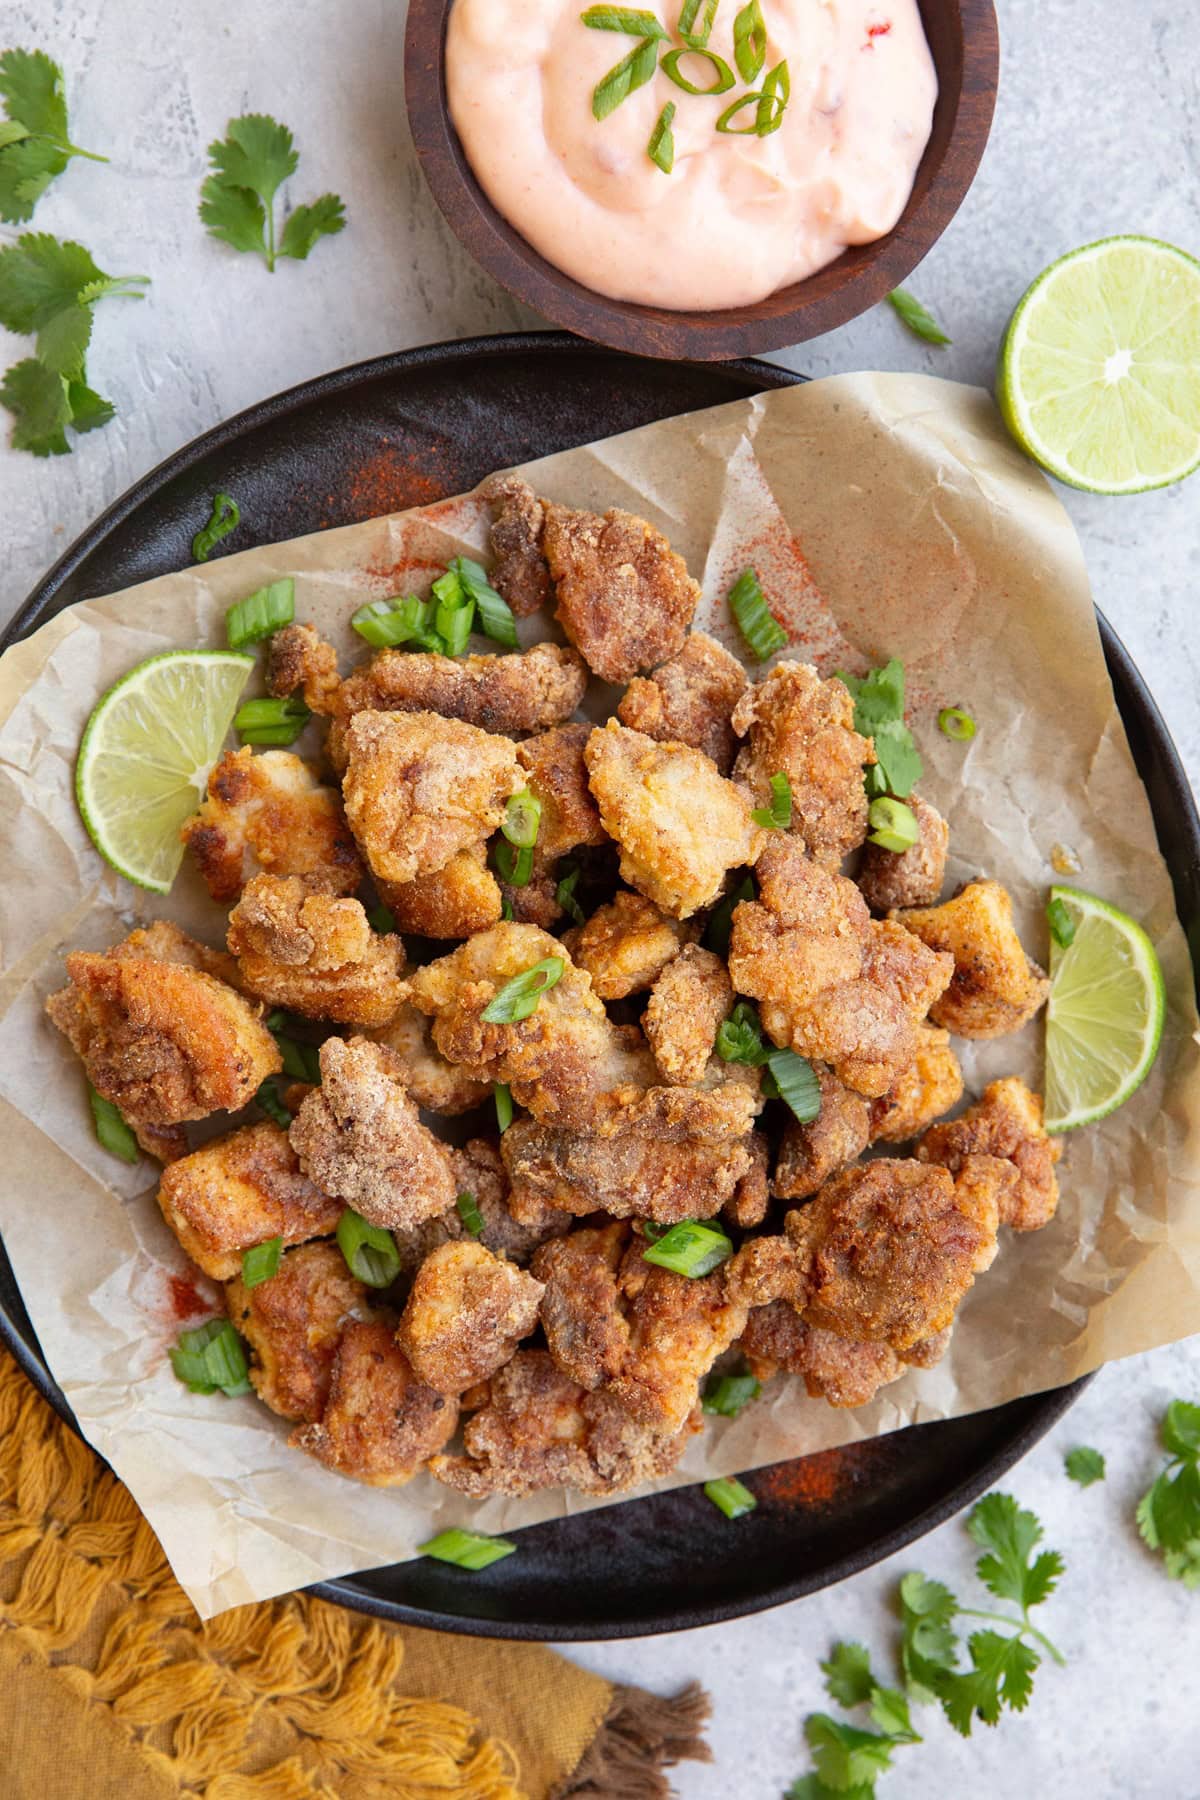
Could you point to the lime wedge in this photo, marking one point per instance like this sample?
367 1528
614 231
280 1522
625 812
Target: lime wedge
146 754
1105 1017
1099 372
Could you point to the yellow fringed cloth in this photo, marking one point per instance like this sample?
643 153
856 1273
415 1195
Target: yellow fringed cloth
111 1688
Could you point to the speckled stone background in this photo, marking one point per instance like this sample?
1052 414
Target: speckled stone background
1097 131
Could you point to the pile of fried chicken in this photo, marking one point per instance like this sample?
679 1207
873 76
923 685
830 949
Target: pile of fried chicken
564 1355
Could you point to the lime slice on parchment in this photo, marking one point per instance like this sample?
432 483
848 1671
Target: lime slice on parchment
146 754
1105 1017
1099 372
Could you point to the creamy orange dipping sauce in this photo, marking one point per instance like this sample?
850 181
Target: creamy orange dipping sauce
738 216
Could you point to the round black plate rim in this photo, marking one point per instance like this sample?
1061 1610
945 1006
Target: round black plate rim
1042 1410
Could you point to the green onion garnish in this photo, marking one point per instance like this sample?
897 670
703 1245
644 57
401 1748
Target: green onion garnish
382 919
690 1249
879 714
224 518
720 921
564 894
268 1098
777 816
495 615
113 1134
918 318
749 41
696 21
893 825
791 1079
370 1251
513 865
502 1096
211 1357
730 1496
301 1061
261 613
661 148
727 1395
1062 925
740 1038
469 1213
632 72
506 910
466 1549
724 76
519 997
454 614
776 92
271 721
522 816
623 18
761 630
261 1262
402 620
954 723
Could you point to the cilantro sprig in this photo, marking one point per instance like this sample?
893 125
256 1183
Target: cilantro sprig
1168 1514
35 144
879 714
237 201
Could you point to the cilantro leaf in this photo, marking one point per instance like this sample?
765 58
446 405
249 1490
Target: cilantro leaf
234 215
811 1787
237 200
63 340
40 275
256 153
31 86
879 714
889 1710
26 170
88 409
37 399
878 695
1000 1526
1084 1465
848 1677
1181 1430
845 1756
34 145
929 1645
1001 1674
305 224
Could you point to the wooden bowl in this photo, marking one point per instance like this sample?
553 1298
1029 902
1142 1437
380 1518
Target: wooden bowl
965 44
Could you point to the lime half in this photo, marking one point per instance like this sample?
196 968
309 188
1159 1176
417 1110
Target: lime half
146 755
1099 372
1105 1017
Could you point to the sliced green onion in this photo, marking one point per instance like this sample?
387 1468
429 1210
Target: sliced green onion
301 1061
522 816
696 21
740 1038
495 615
728 1395
777 816
469 1213
1062 925
261 613
261 1262
690 1249
519 997
623 18
749 41
212 1357
632 72
269 1099
652 1230
382 919
271 721
502 1097
794 1081
513 865
370 1251
720 68
112 1133
224 518
466 1549
730 1497
761 630
564 895
454 614
720 920
661 148
893 825
776 92
402 620
918 318
506 910
954 723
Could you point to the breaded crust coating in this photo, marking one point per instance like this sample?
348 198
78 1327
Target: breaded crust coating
687 1005
480 1172
748 1204
810 1154
996 988
299 657
634 1174
556 773
624 598
360 1138
1005 1123
314 953
926 1088
677 1330
833 1368
519 573
380 1423
238 1191
888 878
270 812
690 700
465 1315
581 1311
679 825
626 945
293 1323
803 727
163 941
453 902
435 1084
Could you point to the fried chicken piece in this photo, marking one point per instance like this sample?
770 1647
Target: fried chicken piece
750 1199
467 1312
835 985
677 1329
634 1174
162 1040
380 1423
540 1429
537 902
624 598
557 774
525 690
1005 1123
163 941
478 1171
690 700
996 988
810 1154
271 812
687 1005
293 1323
724 1104
679 824
834 1368
519 573
803 727
585 1327
314 953
360 1138
420 788
929 1086
238 1191
453 902
299 657
626 945
435 1084
890 878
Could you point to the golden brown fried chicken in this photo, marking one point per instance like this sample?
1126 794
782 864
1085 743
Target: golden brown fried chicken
299 657
557 775
380 1423
835 985
626 945
810 1154
465 1315
690 700
519 573
634 1174
677 1329
420 788
479 1172
687 1005
270 812
834 1368
432 1082
889 878
540 1429
724 1104
1005 1123
928 1087
314 953
747 1206
996 987
360 1138
238 1191
293 1323
679 824
163 941
803 727
585 1327
623 597
453 902
537 902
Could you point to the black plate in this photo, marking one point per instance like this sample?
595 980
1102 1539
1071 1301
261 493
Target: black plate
401 431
